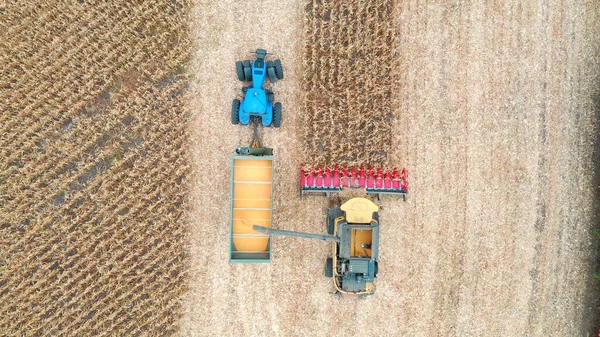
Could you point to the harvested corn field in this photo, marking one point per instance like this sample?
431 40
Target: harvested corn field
348 74
94 168
492 111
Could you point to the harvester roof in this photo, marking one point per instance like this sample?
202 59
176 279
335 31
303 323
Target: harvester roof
359 210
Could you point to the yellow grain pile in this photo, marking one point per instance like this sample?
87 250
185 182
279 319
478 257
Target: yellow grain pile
93 167
348 81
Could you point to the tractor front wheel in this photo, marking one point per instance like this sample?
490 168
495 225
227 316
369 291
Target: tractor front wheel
248 70
278 69
329 267
235 112
277 115
239 67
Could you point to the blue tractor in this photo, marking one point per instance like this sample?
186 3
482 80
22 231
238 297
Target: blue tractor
258 101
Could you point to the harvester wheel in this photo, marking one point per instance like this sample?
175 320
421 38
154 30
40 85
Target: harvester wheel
332 213
248 70
278 69
329 267
277 115
235 112
330 225
271 72
239 67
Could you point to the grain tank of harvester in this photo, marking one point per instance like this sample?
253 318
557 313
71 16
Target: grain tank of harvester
353 229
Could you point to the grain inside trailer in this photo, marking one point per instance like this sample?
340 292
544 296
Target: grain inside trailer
251 204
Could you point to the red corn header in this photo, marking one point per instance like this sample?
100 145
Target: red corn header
375 180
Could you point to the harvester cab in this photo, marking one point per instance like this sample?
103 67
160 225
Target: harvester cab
258 102
353 229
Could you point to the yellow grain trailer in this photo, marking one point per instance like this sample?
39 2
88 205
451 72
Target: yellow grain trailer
251 204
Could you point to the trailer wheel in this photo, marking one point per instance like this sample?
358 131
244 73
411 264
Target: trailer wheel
239 67
277 115
235 112
329 267
278 69
248 70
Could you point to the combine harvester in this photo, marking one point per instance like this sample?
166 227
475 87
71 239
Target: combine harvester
354 230
374 181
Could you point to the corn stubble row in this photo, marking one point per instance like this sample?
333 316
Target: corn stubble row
94 168
349 59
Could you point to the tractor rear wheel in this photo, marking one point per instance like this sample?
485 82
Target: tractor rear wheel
235 112
248 70
239 67
277 115
329 267
271 72
278 69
